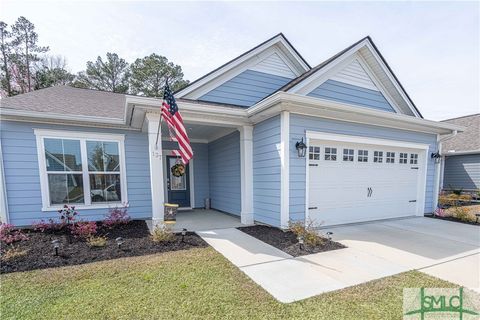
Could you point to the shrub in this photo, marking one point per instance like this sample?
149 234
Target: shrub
84 230
9 234
311 236
463 214
97 242
116 216
51 225
13 253
68 214
162 233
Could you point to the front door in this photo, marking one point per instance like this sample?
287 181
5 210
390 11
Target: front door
178 187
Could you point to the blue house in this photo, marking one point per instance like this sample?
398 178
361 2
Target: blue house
274 140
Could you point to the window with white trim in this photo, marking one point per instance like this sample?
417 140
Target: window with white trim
390 157
378 156
83 171
414 158
403 158
362 156
331 154
314 153
348 154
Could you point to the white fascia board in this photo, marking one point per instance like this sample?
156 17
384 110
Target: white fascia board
460 153
340 111
364 140
66 117
235 63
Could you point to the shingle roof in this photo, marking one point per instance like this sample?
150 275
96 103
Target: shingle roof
468 140
67 100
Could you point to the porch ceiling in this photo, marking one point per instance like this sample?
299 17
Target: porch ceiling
202 133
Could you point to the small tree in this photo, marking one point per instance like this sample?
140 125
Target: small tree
6 50
149 74
109 75
25 39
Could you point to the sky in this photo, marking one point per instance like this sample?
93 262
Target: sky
433 47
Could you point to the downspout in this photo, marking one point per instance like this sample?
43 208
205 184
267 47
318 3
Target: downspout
439 166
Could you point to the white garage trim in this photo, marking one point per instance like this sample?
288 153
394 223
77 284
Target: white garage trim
423 159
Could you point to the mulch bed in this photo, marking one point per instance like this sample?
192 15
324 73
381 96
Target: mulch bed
136 237
287 241
453 220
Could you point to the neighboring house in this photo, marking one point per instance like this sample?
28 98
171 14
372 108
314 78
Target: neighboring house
368 147
461 156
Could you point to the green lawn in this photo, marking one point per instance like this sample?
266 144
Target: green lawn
193 284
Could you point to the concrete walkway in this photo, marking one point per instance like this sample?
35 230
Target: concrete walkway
447 250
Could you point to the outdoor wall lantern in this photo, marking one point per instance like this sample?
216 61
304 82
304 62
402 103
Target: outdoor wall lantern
436 156
301 148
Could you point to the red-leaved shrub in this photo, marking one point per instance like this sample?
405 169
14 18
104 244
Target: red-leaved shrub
8 234
116 216
84 229
48 226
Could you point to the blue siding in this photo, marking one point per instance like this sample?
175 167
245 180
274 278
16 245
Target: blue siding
224 173
266 171
23 180
462 171
347 93
298 126
246 89
200 170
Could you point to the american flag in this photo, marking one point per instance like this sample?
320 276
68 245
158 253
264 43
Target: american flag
177 131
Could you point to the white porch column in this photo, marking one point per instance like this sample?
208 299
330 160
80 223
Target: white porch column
156 167
246 173
285 169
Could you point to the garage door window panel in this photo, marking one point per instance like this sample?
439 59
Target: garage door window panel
362 156
348 155
414 158
378 156
390 157
330 154
314 153
403 158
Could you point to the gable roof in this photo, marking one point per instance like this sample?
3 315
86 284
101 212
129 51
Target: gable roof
307 75
468 140
66 100
277 39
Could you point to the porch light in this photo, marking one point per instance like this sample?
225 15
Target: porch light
436 156
56 245
184 233
119 242
301 148
300 242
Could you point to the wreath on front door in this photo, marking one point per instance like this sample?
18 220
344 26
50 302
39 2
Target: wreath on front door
178 170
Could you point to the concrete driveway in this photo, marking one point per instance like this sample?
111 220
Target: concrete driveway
444 249
447 250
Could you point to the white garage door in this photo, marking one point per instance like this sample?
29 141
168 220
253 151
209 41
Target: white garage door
353 182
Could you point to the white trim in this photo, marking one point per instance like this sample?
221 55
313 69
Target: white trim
342 58
459 153
285 169
422 157
335 110
307 180
191 184
4 216
82 137
439 167
277 44
69 117
364 140
246 174
156 168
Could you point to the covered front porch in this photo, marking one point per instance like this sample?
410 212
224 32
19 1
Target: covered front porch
203 219
218 177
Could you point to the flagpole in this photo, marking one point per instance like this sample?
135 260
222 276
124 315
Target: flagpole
160 122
